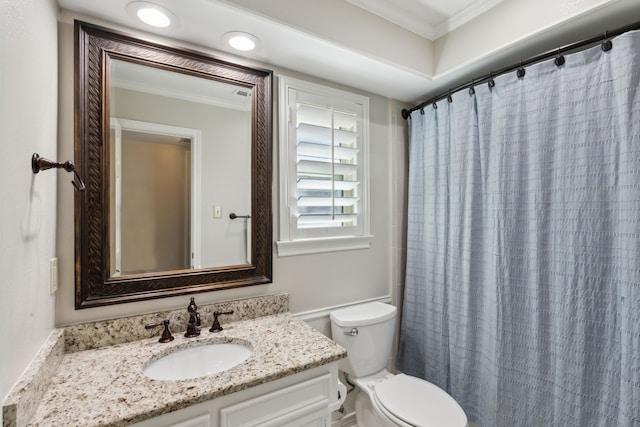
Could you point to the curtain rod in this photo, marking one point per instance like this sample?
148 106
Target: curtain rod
488 78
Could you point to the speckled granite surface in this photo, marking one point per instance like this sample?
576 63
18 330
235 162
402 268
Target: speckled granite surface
93 335
105 386
23 399
91 374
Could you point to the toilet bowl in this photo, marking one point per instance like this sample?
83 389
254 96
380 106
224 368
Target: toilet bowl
387 400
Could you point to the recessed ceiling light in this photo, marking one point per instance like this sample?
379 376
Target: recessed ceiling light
241 41
151 14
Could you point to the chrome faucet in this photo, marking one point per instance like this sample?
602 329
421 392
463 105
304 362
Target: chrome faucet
193 326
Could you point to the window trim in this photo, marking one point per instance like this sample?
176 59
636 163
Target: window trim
288 245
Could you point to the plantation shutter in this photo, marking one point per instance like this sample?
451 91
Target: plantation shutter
328 172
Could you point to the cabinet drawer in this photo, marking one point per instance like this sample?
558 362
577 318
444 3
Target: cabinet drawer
280 407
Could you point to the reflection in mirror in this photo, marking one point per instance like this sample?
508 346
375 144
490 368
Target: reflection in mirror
171 133
152 199
171 142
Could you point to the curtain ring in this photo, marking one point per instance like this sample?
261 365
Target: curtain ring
491 83
422 110
521 71
606 44
559 61
449 98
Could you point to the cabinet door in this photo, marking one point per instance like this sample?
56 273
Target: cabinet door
305 403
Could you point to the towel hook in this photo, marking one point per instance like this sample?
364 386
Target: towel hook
39 163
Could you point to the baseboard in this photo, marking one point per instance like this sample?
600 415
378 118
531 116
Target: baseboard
346 421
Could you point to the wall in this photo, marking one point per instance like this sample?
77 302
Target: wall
313 281
28 124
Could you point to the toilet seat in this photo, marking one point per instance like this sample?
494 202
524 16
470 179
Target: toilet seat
416 402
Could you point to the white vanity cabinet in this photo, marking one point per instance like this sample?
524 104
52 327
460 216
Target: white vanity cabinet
299 400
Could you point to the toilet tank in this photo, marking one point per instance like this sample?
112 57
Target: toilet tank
366 332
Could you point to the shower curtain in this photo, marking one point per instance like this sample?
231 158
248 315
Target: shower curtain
522 294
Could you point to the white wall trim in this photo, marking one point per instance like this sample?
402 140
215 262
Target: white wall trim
329 244
322 313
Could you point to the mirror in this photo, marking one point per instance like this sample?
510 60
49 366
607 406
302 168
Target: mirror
170 132
175 150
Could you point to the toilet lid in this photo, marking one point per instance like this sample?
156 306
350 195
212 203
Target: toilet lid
419 403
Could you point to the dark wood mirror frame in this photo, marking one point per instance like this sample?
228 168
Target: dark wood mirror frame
95 46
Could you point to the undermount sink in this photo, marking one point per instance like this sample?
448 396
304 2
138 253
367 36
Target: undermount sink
194 362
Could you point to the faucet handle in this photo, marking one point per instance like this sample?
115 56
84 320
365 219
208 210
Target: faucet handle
216 327
166 334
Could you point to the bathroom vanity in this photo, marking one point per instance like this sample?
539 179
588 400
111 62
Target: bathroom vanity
290 378
299 400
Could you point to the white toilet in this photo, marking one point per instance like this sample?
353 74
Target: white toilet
387 400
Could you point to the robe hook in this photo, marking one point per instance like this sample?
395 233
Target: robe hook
39 163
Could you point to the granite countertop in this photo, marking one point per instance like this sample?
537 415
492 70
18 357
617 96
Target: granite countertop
106 387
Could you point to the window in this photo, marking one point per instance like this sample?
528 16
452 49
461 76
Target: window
324 174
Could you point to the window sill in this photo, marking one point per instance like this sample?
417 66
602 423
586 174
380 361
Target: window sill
330 244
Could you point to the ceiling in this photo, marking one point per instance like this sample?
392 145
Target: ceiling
399 49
